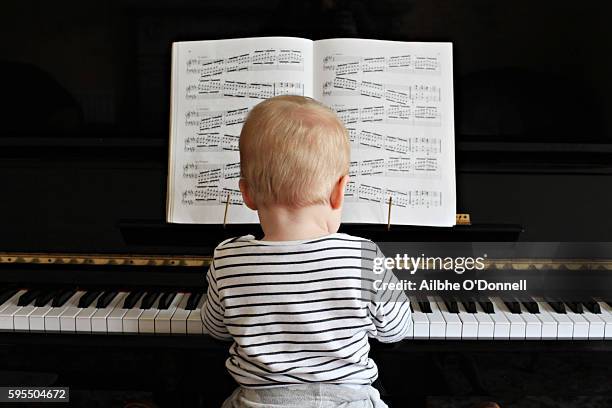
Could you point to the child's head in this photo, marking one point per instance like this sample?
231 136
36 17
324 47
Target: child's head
294 152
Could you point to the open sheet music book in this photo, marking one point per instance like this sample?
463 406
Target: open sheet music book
395 98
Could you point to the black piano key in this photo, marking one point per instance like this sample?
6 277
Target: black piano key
470 305
132 299
149 299
88 298
452 305
575 307
166 300
62 297
44 298
592 306
195 297
513 306
6 295
487 306
557 306
28 297
106 298
531 306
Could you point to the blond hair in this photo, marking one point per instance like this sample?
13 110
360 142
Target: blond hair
293 150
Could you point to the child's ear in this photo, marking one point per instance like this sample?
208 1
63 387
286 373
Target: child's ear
246 195
336 198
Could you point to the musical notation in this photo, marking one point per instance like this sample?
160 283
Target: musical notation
404 145
211 142
392 114
257 60
211 195
206 120
394 93
216 88
351 65
363 192
211 173
396 167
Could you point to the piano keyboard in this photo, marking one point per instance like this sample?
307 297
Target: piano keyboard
69 311
171 312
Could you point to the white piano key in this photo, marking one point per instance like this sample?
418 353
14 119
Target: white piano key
517 324
130 319
68 316
8 309
37 317
420 323
486 326
597 326
114 322
501 330
164 317
549 323
606 316
453 323
533 325
581 325
565 326
410 332
178 323
52 319
437 324
146 320
21 318
194 320
99 321
469 323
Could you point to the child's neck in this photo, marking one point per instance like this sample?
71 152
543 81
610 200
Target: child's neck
280 223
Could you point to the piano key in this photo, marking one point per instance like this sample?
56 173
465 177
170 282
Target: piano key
410 332
423 304
469 305
502 324
575 307
37 317
68 316
164 317
597 326
62 297
194 300
88 298
99 321
6 294
531 306
606 316
437 324
21 318
130 318
8 308
133 298
513 306
45 298
83 318
581 325
146 320
149 299
517 324
166 299
178 322
557 306
592 306
451 305
565 326
106 298
29 297
486 306
549 323
533 325
420 322
453 323
469 323
52 318
194 320
486 326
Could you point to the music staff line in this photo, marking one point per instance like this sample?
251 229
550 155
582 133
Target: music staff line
365 139
211 142
356 192
401 64
402 94
216 88
258 60
392 114
207 120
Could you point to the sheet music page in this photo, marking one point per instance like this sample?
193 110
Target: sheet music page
214 85
396 99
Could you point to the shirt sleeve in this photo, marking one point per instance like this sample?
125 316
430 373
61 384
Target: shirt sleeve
390 309
212 310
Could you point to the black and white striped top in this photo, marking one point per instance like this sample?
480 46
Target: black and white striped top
301 311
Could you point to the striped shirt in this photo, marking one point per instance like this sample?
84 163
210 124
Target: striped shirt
301 311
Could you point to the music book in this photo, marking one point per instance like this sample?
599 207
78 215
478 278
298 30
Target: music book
395 98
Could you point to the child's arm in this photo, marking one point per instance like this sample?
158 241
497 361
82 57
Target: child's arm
213 311
390 310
